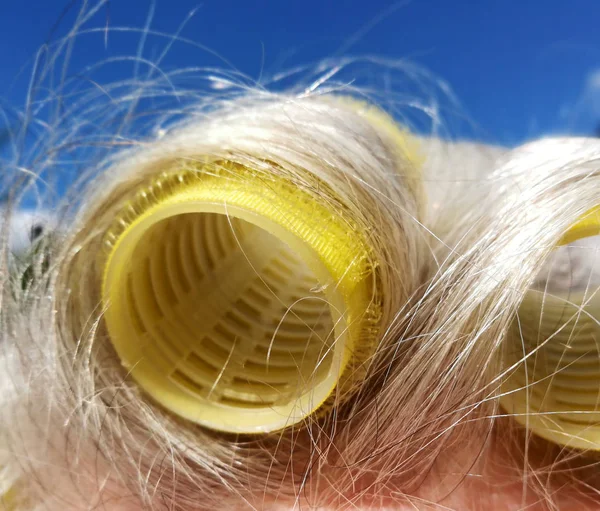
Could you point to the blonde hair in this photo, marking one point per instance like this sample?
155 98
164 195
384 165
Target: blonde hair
456 236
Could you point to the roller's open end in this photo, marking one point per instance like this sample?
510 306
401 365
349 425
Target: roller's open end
555 391
226 315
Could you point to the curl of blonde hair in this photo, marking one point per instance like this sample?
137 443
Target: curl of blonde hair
458 233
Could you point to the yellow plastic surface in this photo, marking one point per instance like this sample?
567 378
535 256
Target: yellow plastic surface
8 500
556 393
236 299
406 145
588 225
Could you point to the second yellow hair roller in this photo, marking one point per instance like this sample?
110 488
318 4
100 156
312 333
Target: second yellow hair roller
556 391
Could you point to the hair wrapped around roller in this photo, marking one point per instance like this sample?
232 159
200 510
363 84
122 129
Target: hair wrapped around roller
278 300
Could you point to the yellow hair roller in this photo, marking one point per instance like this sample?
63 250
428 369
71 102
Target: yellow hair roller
8 500
239 300
236 302
556 392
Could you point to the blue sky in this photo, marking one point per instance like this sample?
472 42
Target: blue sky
520 68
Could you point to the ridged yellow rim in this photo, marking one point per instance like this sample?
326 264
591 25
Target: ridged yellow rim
235 300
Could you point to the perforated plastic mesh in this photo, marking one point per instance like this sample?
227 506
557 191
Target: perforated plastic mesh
228 311
564 371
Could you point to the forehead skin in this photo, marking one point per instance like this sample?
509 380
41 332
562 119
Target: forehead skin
493 482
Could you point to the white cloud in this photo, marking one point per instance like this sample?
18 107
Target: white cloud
591 93
593 82
585 110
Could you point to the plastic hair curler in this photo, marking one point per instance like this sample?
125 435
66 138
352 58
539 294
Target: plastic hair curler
8 499
239 300
555 392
